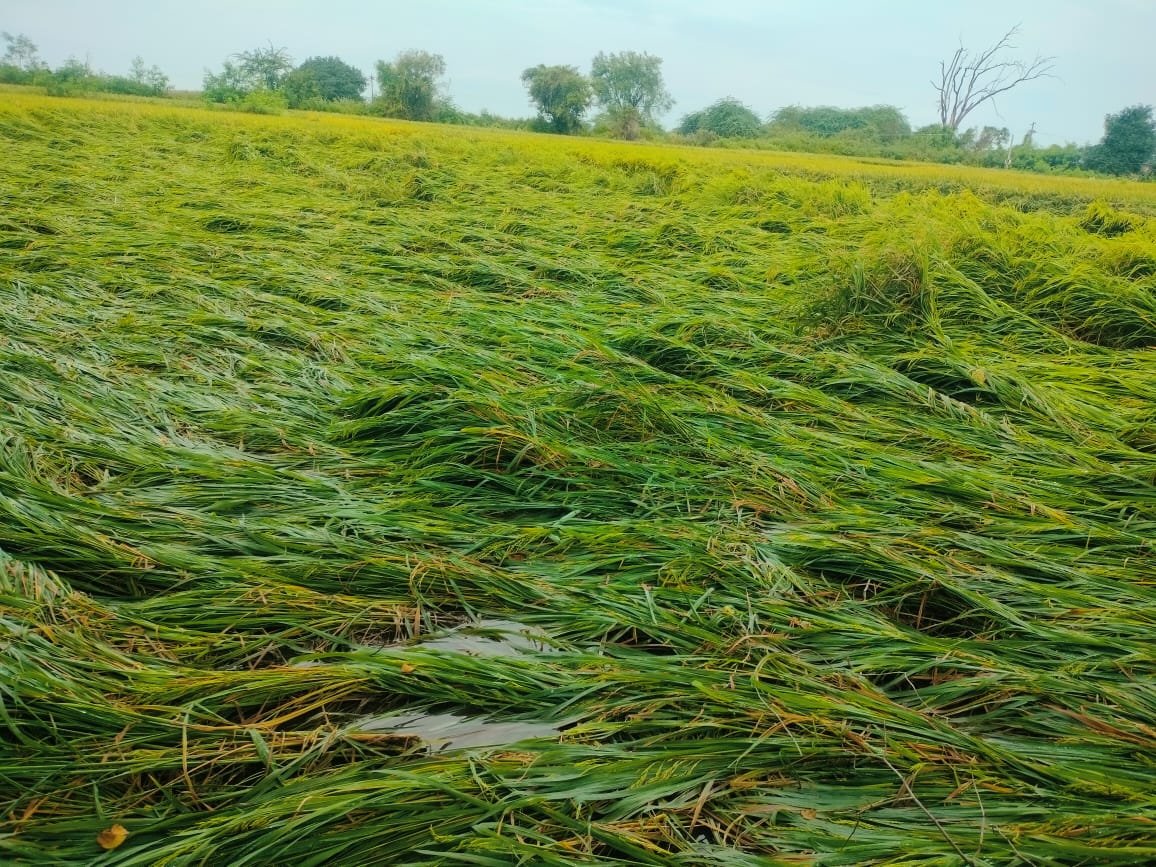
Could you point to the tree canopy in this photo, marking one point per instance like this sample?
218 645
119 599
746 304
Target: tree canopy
266 67
148 79
410 85
20 52
726 118
324 79
229 85
561 94
631 95
1129 142
881 122
249 71
629 86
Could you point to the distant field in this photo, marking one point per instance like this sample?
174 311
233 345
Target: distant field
375 493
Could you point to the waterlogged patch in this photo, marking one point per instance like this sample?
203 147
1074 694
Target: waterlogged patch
447 731
490 638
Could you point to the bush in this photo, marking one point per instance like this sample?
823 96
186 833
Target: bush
1129 142
12 74
328 79
727 118
262 101
125 85
335 106
877 122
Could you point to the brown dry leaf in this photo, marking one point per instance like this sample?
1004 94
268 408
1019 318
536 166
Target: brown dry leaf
809 814
112 837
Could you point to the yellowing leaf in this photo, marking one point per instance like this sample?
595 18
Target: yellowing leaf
112 837
407 668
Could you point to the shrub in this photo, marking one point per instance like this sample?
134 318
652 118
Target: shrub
262 101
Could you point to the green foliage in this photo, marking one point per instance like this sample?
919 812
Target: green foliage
15 75
262 101
882 131
1129 142
227 86
74 76
551 434
629 87
410 85
258 69
938 136
445 111
141 81
325 79
561 93
988 140
1053 158
149 81
727 118
126 85
877 122
265 67
301 89
20 53
487 118
335 106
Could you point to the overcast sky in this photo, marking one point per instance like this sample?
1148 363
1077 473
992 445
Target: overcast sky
768 53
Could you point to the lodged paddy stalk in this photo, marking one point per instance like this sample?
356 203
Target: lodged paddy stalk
802 508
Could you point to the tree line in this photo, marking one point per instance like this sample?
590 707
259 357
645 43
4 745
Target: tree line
21 64
623 94
627 87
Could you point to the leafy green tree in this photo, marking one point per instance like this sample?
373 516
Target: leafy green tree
629 87
229 85
265 67
20 52
301 88
561 93
876 122
886 122
410 85
326 79
936 135
991 138
137 70
74 71
150 80
157 80
249 71
73 76
727 118
1054 158
261 100
1129 142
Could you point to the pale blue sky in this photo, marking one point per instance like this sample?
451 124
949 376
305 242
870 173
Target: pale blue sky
768 53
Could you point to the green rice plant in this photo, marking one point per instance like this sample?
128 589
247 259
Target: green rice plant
826 489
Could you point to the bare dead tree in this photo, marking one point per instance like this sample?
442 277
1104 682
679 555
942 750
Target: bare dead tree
967 80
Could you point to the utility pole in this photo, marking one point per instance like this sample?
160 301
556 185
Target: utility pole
1026 142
